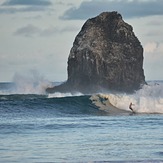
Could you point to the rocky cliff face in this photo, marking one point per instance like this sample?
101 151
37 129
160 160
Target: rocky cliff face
106 54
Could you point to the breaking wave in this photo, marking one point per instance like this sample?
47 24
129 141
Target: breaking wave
149 99
30 83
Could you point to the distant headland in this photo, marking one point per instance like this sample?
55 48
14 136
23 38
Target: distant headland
106 55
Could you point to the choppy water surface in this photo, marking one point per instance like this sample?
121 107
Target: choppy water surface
35 128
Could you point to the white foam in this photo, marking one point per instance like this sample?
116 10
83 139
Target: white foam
29 83
60 95
149 99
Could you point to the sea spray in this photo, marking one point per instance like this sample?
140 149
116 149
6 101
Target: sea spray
29 83
152 89
149 99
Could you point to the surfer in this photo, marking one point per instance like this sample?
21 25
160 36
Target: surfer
130 107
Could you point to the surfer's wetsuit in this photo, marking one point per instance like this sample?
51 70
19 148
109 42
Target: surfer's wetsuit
130 106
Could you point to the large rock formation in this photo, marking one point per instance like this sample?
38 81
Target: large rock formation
106 54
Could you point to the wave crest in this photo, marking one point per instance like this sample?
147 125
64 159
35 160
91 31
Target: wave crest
149 99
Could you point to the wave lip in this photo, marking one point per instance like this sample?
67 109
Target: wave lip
149 99
61 95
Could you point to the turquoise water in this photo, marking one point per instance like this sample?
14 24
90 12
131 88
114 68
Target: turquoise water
35 128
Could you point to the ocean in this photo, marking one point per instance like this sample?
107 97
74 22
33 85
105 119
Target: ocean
38 127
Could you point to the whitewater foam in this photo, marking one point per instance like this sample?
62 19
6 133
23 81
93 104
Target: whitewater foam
60 95
29 83
149 99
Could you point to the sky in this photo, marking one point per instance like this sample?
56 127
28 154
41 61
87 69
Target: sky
37 35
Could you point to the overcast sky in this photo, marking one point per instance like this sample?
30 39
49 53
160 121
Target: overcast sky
37 35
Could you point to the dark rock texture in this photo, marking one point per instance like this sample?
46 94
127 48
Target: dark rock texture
106 54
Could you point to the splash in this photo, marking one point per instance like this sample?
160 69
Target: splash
29 83
149 99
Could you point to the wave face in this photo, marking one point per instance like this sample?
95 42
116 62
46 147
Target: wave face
77 128
27 105
149 99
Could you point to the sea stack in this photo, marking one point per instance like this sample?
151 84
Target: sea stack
106 55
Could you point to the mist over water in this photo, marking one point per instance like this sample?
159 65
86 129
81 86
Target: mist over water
28 83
